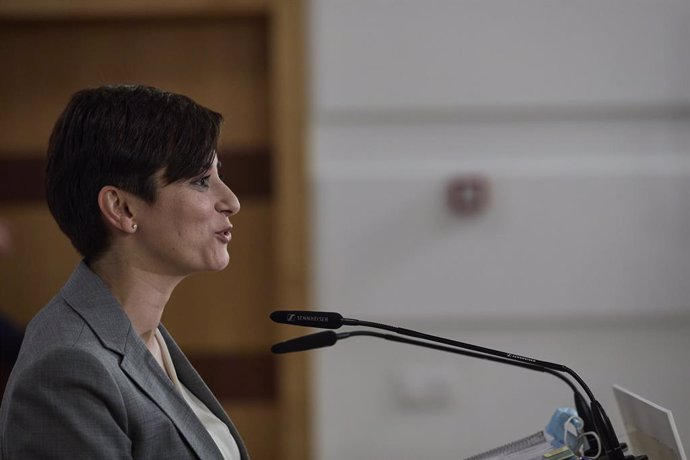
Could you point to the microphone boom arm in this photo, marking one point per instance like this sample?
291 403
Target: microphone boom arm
601 421
332 320
458 351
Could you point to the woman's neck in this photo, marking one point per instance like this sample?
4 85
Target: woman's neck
142 294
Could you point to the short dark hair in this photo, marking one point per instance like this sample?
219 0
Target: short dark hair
122 136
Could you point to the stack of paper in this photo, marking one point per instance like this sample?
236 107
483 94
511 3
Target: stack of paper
533 447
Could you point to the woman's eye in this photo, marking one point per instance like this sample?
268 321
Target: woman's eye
202 181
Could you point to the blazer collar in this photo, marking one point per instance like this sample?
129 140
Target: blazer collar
88 295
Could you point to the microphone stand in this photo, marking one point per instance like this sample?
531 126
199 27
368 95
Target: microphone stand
602 424
329 338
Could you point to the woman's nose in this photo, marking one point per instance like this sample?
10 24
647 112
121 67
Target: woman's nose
228 203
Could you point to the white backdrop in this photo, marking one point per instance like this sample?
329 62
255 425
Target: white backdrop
578 115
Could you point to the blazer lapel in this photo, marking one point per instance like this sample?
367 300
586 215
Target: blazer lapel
193 381
141 367
86 293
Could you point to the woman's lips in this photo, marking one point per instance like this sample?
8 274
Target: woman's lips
224 235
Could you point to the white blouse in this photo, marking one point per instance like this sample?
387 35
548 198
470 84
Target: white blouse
218 430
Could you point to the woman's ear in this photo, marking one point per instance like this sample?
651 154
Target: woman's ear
116 208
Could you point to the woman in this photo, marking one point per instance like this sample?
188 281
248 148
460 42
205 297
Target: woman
132 179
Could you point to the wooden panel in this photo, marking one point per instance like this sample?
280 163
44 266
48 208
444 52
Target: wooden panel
292 204
41 260
257 423
49 49
247 172
247 377
21 179
220 62
56 9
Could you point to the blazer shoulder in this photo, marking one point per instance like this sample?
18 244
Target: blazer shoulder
67 397
55 326
63 366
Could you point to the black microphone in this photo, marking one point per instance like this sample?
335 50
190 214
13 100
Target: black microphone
318 319
306 342
332 320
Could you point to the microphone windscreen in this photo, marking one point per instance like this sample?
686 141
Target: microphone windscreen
318 319
307 342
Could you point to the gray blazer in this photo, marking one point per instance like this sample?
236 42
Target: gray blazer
86 387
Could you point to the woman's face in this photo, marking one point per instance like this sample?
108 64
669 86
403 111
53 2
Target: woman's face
187 228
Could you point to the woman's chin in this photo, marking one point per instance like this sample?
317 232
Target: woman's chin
219 264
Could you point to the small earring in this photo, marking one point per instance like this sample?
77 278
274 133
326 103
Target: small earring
134 227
